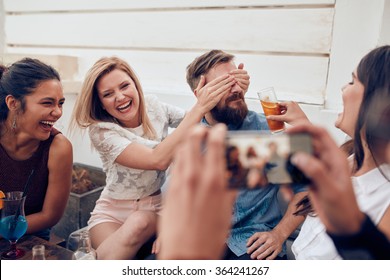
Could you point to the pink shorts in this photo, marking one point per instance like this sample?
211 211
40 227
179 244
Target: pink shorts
117 211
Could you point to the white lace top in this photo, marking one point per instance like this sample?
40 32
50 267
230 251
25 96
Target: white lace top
110 139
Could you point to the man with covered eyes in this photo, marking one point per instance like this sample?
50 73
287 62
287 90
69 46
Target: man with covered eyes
259 230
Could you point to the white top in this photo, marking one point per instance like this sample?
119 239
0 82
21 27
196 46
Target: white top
110 139
372 192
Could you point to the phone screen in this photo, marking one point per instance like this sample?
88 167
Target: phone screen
255 159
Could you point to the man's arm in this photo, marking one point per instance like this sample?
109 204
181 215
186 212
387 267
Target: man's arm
267 245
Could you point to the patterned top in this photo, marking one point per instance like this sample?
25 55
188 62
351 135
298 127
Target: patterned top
110 139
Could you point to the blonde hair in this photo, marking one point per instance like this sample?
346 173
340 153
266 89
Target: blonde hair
88 108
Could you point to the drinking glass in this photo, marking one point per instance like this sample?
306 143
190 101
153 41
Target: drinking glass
38 252
84 250
13 223
73 240
270 106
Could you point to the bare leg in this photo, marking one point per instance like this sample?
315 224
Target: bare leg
121 242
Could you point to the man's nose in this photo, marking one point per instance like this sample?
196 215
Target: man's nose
236 88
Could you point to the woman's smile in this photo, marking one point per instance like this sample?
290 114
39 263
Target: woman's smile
122 108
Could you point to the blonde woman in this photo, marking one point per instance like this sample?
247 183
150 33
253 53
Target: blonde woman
130 132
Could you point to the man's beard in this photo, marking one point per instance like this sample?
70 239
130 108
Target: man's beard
228 115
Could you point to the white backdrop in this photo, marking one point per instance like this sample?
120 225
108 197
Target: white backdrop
306 49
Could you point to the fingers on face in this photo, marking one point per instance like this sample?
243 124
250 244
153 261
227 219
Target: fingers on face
243 83
242 79
222 83
221 80
239 70
201 83
221 89
240 75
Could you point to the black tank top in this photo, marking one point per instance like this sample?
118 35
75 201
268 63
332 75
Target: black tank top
14 174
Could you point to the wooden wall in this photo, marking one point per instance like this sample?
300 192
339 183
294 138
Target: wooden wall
306 49
285 44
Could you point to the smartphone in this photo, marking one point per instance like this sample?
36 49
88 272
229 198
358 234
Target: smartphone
255 158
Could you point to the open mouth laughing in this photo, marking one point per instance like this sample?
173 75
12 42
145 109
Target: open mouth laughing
125 106
47 125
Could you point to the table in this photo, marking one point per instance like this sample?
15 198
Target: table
52 251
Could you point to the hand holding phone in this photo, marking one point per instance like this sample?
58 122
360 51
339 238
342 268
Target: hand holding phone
255 159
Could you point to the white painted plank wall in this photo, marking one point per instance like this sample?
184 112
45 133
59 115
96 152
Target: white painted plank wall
247 30
288 44
357 30
2 29
104 5
285 44
164 72
274 39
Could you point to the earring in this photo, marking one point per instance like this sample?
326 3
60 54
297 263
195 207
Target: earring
13 126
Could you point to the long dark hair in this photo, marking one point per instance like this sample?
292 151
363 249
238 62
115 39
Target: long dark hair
373 72
21 79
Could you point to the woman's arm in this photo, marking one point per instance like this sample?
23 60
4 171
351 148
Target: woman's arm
291 114
141 157
59 182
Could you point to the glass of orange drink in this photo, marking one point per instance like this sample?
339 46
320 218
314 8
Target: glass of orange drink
271 106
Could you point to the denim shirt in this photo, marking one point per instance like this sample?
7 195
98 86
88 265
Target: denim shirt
254 210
